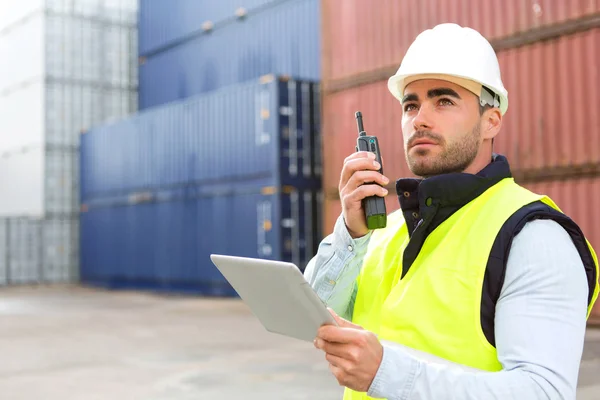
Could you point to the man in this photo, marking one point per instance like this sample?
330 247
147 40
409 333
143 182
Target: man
474 269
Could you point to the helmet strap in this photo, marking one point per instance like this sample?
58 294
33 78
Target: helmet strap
489 97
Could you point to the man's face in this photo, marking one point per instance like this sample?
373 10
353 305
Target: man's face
441 127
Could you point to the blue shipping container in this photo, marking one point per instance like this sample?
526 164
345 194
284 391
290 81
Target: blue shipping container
281 39
167 23
260 129
165 242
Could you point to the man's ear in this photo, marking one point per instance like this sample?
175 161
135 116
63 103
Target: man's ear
491 123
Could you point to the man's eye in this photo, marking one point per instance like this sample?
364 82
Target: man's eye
446 102
410 107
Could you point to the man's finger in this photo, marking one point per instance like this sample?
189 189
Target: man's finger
337 334
336 349
336 361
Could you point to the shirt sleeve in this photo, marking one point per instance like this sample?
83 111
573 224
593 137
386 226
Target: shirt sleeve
332 272
539 327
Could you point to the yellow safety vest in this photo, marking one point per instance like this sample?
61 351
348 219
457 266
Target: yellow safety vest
436 307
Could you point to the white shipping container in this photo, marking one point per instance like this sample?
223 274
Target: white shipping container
22 117
61 192
38 182
22 183
12 12
22 53
67 73
67 65
60 252
3 251
24 251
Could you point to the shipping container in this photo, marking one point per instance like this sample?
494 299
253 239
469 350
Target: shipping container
4 253
382 116
67 73
551 124
60 252
15 12
552 121
166 24
38 250
114 11
72 66
281 39
263 128
39 181
22 182
24 251
363 36
164 242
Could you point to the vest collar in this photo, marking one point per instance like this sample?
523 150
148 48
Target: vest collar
421 198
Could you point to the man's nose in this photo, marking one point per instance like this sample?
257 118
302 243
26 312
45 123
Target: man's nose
423 120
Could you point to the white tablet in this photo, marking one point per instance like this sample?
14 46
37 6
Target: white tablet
277 294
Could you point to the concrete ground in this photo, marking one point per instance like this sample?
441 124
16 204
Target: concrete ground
77 343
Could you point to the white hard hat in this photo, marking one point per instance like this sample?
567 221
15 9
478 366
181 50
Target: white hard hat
456 54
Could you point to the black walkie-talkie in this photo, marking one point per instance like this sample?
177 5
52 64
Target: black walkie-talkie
374 206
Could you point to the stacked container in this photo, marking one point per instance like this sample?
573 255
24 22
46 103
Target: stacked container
225 156
549 57
235 171
190 47
67 65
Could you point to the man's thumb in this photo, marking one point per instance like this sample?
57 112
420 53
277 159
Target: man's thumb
343 322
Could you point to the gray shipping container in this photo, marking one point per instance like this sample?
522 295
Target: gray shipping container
38 250
72 64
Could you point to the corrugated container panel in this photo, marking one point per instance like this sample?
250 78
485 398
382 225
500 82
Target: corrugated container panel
117 11
22 117
14 12
67 73
382 116
61 191
39 181
22 182
332 209
364 35
162 244
71 109
4 253
543 127
60 248
283 39
166 23
24 244
23 45
251 130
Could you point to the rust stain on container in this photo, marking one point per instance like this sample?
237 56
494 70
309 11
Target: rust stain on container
364 35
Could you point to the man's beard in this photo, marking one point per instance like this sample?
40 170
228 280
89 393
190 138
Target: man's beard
455 157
